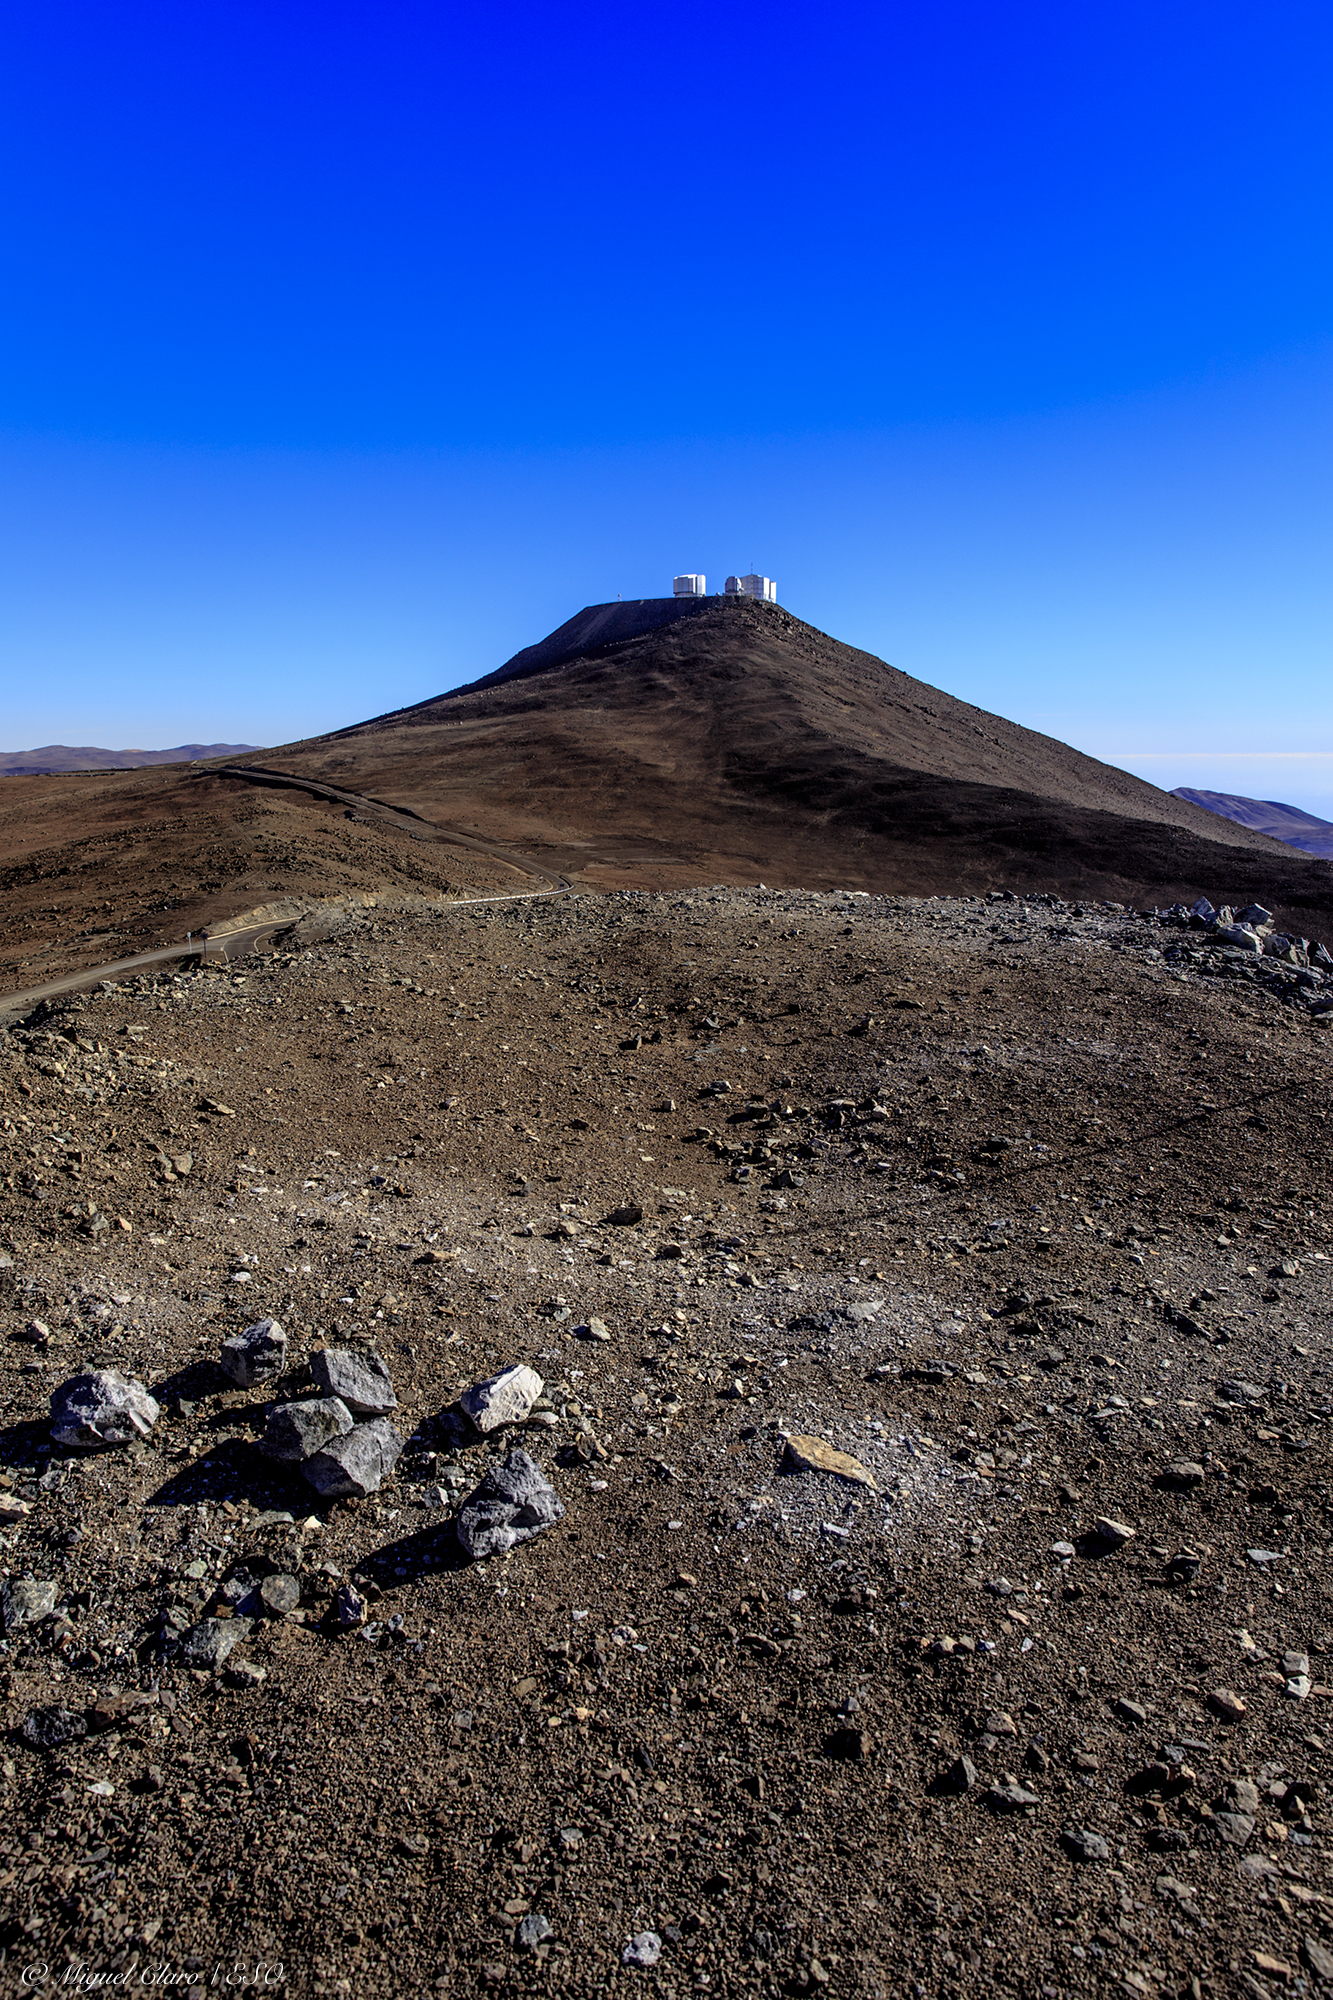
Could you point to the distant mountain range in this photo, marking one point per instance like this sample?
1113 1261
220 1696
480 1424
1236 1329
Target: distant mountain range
57 757
1285 823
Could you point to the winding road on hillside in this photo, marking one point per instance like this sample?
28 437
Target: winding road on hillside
248 938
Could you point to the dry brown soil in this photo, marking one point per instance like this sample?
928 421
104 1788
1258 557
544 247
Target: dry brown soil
998 1202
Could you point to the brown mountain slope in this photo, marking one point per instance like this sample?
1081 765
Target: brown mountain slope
658 743
645 745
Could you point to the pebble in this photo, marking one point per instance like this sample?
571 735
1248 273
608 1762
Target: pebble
514 1502
534 1930
643 1949
1181 1474
280 1594
1117 1533
350 1609
961 1776
256 1355
358 1379
1011 1797
811 1454
294 1431
595 1329
1130 1711
1081 1844
1227 1705
506 1398
355 1464
102 1409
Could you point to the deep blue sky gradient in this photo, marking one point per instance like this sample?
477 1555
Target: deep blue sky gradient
349 348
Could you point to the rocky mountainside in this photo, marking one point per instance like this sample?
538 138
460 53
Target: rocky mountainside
1280 822
660 743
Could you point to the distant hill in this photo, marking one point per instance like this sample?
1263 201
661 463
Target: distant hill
1285 823
54 758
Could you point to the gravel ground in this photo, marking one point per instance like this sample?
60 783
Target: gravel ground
1022 1206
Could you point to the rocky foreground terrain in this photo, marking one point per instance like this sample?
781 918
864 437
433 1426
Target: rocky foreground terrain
1021 1207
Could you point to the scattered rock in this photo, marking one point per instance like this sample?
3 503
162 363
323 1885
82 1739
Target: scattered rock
514 1502
848 1746
1233 1827
355 1464
25 1603
1227 1705
208 1643
1081 1844
359 1379
644 1949
256 1355
960 1777
595 1329
101 1410
280 1594
1181 1475
350 1609
1317 1958
626 1215
48 1728
506 1398
294 1431
1011 1797
1130 1711
811 1454
1115 1534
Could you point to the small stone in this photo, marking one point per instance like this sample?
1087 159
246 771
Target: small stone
256 1355
100 1410
534 1930
596 1329
1011 1797
1317 1958
355 1464
208 1643
280 1594
294 1431
506 1398
1181 1475
626 1215
811 1454
37 1333
359 1379
25 1603
1233 1827
48 1728
847 1746
1001 1724
1116 1533
12 1509
1227 1705
960 1777
644 1949
245 1674
350 1609
514 1502
1242 1795
1130 1711
1062 1549
1081 1844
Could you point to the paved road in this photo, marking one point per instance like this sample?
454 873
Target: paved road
240 943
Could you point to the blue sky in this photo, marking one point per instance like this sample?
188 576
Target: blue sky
349 349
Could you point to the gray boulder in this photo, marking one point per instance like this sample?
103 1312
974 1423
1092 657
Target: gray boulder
208 1643
359 1379
25 1603
355 1464
94 1412
256 1355
295 1431
514 1502
48 1728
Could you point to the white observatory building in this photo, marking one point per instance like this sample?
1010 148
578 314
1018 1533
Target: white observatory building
761 587
689 586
